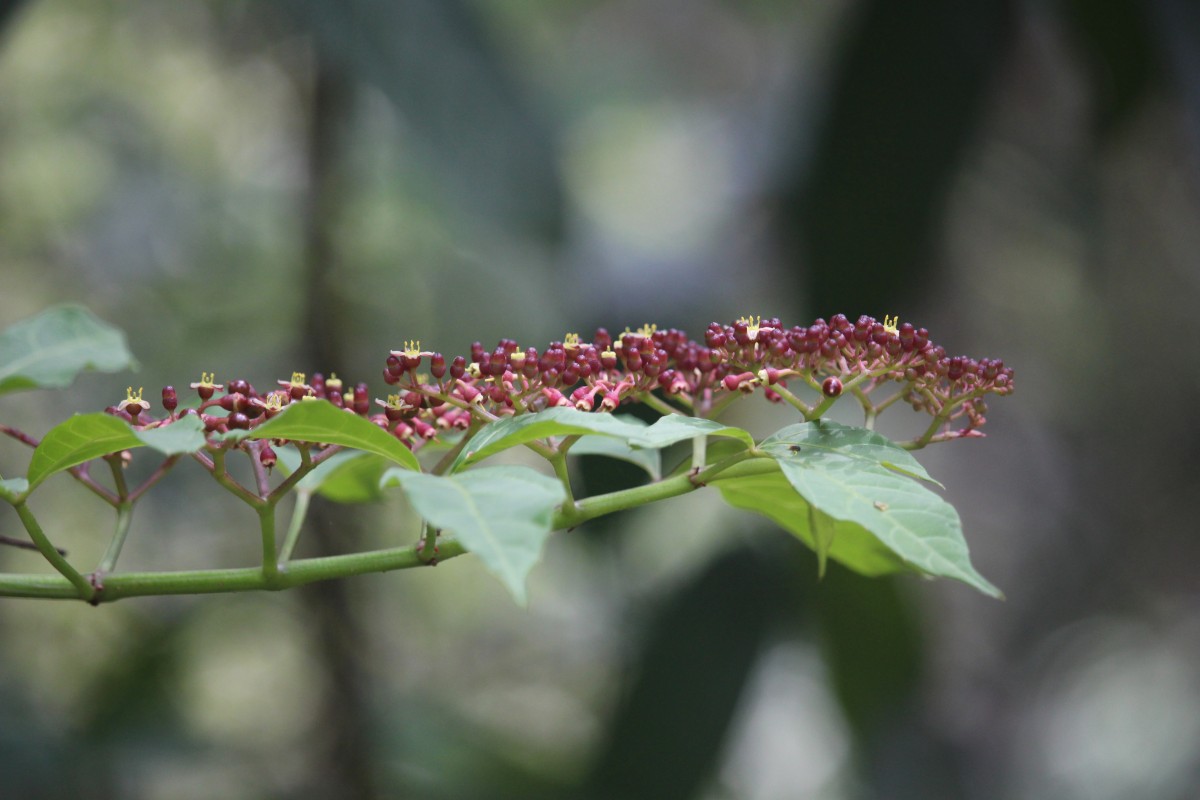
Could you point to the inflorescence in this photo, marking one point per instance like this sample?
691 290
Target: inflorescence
662 368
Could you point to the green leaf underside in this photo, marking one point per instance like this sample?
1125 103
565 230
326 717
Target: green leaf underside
849 544
12 488
348 476
525 428
916 524
814 439
672 428
502 514
185 435
49 350
320 422
78 439
591 445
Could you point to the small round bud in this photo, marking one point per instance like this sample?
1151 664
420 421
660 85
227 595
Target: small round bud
831 387
169 399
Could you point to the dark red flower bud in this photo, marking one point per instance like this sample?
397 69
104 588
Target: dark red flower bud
831 387
266 456
458 367
169 400
437 366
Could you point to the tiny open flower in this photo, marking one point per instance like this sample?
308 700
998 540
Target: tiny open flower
133 404
395 408
205 386
270 405
571 342
753 326
296 387
891 324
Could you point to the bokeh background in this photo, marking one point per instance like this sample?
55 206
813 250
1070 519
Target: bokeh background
256 188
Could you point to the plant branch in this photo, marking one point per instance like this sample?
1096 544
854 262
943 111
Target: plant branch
83 588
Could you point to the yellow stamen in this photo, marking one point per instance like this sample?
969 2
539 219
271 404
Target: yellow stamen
298 378
890 323
412 348
208 378
275 400
130 397
571 341
753 324
647 330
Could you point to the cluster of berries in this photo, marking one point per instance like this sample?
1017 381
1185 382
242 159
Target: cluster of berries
646 365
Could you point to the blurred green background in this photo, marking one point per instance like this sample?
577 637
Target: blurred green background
256 188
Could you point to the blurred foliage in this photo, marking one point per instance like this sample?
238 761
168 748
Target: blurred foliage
1019 177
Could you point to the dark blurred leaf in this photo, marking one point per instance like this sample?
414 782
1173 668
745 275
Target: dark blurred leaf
1114 37
904 104
467 114
666 737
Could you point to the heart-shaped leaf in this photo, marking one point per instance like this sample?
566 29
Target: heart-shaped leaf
321 422
861 480
649 460
86 436
184 435
502 514
76 440
523 428
849 544
811 439
49 350
672 428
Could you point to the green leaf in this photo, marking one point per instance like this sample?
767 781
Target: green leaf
807 439
80 438
49 350
502 514
12 488
850 544
856 476
348 476
672 428
523 428
184 435
864 484
321 422
649 460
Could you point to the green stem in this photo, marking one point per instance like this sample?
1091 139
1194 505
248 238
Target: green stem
295 524
222 477
600 505
212 581
270 556
559 462
72 585
83 588
124 517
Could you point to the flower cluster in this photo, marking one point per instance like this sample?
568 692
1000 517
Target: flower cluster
663 368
